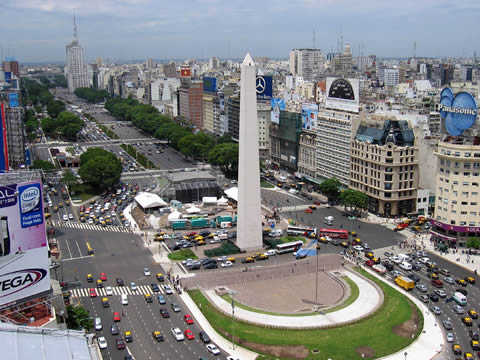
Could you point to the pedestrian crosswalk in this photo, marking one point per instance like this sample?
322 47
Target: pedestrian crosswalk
76 225
116 290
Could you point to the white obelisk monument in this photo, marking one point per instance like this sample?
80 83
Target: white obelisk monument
249 219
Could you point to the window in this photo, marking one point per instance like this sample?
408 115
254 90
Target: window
464 203
454 201
474 184
455 183
474 213
466 165
463 213
463 223
388 195
467 154
464 193
466 183
472 223
466 174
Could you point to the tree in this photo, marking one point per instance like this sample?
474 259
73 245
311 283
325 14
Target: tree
225 156
330 188
92 95
354 200
43 165
100 168
93 153
78 318
69 179
473 243
55 107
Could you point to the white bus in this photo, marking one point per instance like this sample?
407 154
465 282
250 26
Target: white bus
288 247
301 230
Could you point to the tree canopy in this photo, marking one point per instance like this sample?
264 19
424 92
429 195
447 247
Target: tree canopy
55 107
93 96
330 188
226 157
100 168
36 92
78 317
354 200
66 124
69 179
43 165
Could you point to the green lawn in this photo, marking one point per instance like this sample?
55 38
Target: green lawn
266 184
354 291
82 192
335 343
182 254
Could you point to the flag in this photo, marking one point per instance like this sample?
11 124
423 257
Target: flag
309 250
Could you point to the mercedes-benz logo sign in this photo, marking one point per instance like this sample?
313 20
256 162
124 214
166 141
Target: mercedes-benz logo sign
260 87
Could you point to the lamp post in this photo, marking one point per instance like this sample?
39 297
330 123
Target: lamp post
233 320
317 249
405 355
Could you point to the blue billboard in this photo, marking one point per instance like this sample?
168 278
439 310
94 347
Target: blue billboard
278 102
459 112
8 76
28 157
13 99
209 84
264 87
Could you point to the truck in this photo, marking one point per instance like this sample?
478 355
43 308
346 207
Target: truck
179 224
199 223
405 282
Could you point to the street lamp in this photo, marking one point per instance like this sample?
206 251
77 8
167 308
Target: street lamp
405 355
232 293
317 249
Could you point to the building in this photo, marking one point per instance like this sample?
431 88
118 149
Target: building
456 217
233 116
306 62
15 132
285 140
335 129
263 123
384 166
434 123
11 65
343 63
210 111
307 154
190 100
390 77
76 72
149 64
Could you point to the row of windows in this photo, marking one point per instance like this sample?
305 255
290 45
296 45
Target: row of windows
453 222
457 165
465 173
458 153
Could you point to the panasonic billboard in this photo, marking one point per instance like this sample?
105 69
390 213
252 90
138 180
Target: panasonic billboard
458 112
23 243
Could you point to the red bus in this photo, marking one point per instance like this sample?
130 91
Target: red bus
334 233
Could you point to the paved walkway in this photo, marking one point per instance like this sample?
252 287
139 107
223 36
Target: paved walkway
368 300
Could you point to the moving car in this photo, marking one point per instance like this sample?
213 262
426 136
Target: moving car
204 337
114 329
109 290
116 316
467 321
105 302
128 336
436 310
226 264
189 334
213 349
168 289
93 292
102 343
447 324
133 286
155 287
157 336
457 349
146 272
175 307
450 337
148 298
164 313
161 299
188 319
458 309
160 277
120 282
120 343
89 278
177 334
103 276
473 314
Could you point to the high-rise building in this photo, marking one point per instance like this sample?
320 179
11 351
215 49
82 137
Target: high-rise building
76 71
343 63
149 64
306 62
213 63
384 166
11 65
285 140
390 77
191 103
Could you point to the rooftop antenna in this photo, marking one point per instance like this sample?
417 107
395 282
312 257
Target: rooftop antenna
314 39
414 49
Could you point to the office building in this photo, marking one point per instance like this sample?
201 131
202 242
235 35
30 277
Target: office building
233 116
263 124
384 166
11 65
211 112
390 77
15 133
285 140
190 99
306 62
76 71
307 154
343 63
456 217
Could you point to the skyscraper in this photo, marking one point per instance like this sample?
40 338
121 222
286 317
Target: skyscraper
306 62
76 71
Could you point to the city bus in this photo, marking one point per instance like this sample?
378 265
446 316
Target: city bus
288 247
300 230
334 233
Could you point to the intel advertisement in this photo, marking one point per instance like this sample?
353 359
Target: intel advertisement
209 84
23 244
459 112
309 116
277 106
264 87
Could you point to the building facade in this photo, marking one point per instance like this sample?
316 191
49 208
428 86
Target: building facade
190 97
384 166
307 154
263 123
285 140
306 62
456 217
76 71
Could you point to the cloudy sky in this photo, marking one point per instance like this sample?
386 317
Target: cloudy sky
38 30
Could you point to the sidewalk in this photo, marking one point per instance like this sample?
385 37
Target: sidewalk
368 301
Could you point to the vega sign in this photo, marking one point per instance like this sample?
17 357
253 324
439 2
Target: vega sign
459 112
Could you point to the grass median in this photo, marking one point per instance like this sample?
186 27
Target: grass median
375 336
182 254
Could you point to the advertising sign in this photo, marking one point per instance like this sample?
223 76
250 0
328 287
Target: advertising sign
209 84
264 87
277 106
458 112
23 243
13 99
28 157
3 138
343 94
185 71
8 76
309 116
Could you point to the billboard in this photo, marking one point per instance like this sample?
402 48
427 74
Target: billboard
209 84
3 138
458 112
264 86
23 243
8 76
13 99
343 94
185 71
28 157
277 106
309 116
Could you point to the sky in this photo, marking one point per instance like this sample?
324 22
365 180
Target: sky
38 30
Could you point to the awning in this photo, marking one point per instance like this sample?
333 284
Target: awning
442 236
313 180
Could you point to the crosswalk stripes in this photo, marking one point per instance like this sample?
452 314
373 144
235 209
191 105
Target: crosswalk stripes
76 225
116 290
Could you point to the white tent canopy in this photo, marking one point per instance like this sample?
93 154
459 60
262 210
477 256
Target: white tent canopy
232 193
209 200
222 201
193 210
148 200
174 215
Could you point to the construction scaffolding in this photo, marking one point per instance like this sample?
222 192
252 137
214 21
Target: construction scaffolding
15 136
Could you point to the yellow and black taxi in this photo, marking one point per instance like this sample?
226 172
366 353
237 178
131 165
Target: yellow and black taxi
312 235
434 276
67 202
344 244
198 238
369 255
157 336
128 336
211 235
201 242
313 207
467 321
89 278
248 260
473 314
356 241
160 277
47 215
377 260
261 257
82 219
148 298
353 233
457 349
475 345
461 282
105 302
468 356
231 259
323 240
99 284
55 209
470 280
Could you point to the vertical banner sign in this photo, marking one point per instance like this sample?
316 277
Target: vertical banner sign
3 147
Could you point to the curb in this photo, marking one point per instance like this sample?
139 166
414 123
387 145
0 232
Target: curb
451 262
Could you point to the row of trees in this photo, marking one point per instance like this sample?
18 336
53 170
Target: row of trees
354 201
93 96
58 80
221 151
99 168
31 124
36 92
65 125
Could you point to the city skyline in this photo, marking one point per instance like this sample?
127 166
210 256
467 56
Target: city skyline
126 29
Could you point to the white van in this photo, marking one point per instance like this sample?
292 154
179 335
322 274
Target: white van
328 220
98 324
276 233
405 265
404 257
124 299
460 299
271 252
